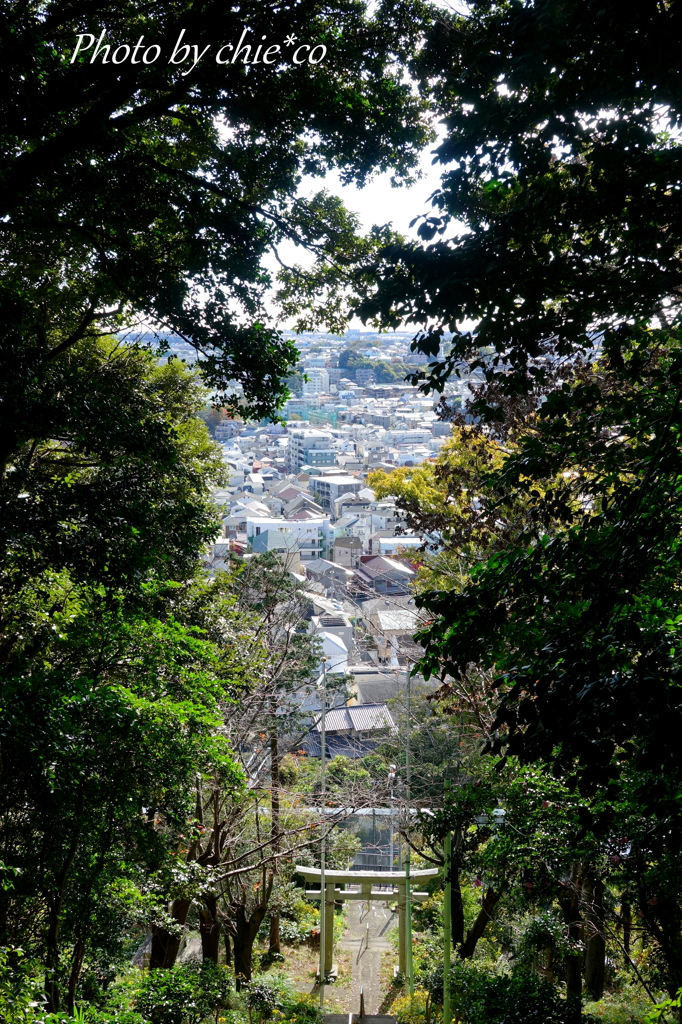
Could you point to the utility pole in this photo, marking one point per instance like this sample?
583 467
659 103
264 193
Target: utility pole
447 926
408 899
392 768
323 890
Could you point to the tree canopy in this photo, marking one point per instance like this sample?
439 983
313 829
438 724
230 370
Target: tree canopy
561 160
148 192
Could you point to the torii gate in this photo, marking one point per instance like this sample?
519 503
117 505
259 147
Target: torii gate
365 878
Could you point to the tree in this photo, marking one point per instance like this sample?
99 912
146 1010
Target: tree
101 738
111 484
109 701
148 190
560 156
561 159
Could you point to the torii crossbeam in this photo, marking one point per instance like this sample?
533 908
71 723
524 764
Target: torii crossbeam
366 879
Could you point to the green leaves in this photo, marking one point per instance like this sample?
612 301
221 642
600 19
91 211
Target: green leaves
141 193
561 162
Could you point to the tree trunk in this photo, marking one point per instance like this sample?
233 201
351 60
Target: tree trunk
209 929
595 945
53 927
490 901
274 934
52 956
626 915
548 969
228 948
246 931
275 827
165 946
244 936
570 907
76 965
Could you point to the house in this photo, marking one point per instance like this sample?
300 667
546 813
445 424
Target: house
393 631
286 491
281 544
346 526
374 684
302 501
347 551
336 623
335 652
351 731
382 575
384 542
351 503
333 576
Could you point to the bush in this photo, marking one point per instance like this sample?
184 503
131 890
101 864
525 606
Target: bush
185 994
94 1016
20 992
261 999
630 1006
517 998
411 1009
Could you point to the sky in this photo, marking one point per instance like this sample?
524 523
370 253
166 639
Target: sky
377 203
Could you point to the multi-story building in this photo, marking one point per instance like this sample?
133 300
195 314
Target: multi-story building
303 441
319 458
365 376
312 535
318 382
227 429
331 486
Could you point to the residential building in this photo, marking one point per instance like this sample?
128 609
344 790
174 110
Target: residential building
312 535
331 575
379 575
337 623
352 731
318 382
303 442
329 487
347 551
283 545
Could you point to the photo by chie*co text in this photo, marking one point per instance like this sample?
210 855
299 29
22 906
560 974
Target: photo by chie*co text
93 49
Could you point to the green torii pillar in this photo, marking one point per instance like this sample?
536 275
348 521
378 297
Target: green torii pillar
396 879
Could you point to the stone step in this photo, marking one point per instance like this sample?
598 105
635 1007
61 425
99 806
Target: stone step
369 1018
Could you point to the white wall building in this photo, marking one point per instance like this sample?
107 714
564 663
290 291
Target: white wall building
312 535
331 486
302 442
318 384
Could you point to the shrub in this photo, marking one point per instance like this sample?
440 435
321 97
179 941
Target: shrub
521 997
91 1015
261 999
19 991
412 1009
185 994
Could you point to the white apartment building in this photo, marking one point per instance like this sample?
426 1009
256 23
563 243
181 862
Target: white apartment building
407 435
305 440
331 486
318 384
314 536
